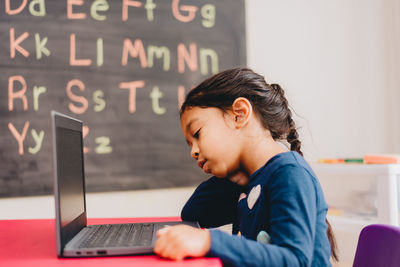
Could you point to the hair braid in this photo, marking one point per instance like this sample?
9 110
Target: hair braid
293 137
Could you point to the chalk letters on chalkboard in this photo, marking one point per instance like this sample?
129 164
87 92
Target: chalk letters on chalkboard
16 94
20 137
15 43
123 68
132 86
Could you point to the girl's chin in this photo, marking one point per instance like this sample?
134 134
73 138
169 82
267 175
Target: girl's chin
209 171
215 172
219 175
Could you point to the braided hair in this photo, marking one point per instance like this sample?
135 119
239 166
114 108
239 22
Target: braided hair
269 104
268 100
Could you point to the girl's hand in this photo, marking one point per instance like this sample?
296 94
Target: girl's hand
178 242
239 177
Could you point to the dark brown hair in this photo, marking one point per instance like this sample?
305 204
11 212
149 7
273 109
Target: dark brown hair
268 101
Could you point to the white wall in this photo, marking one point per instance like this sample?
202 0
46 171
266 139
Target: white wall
336 60
140 203
339 63
392 32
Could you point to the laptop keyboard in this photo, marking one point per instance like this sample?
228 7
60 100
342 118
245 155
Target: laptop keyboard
119 235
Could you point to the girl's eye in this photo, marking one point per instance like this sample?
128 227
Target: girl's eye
196 135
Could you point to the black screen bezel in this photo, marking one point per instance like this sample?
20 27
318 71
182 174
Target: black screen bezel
67 232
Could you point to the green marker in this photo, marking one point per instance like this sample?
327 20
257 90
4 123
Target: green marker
354 160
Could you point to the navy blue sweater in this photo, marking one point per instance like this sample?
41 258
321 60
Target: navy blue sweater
280 216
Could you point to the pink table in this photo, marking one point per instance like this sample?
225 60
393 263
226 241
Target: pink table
33 243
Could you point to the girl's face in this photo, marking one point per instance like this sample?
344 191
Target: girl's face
213 140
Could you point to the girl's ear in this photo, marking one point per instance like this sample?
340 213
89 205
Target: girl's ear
242 111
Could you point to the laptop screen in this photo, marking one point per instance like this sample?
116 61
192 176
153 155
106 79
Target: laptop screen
70 174
69 178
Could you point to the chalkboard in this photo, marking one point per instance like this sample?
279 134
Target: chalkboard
123 68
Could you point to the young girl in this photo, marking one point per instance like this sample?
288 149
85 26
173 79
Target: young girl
232 122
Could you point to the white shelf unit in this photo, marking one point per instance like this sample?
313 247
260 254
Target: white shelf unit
387 195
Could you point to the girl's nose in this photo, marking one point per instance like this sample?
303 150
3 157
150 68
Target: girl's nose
194 152
195 155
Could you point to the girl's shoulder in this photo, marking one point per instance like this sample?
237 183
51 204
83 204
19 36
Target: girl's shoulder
286 166
289 172
285 158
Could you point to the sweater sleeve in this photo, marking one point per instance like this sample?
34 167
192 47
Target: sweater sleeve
213 203
292 201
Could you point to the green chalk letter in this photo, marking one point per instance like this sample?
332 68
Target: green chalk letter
41 8
41 46
37 91
159 52
38 140
149 6
204 53
99 5
208 14
155 95
98 98
100 52
103 145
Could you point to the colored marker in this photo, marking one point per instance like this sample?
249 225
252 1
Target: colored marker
354 160
331 161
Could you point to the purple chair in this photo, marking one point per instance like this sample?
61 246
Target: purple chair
378 246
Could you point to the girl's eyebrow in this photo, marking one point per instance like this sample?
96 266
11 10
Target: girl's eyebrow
190 123
187 128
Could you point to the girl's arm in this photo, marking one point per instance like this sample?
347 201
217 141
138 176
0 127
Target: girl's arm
213 203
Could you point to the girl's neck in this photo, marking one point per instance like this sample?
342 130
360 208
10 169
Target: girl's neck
257 152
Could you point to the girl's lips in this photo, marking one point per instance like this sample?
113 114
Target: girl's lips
204 167
201 163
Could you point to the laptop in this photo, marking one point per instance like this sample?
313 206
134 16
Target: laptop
74 237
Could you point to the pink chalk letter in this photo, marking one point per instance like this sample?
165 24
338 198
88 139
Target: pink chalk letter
125 5
189 58
134 50
73 97
190 9
85 132
10 11
14 43
181 95
72 58
132 92
70 14
20 94
19 137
